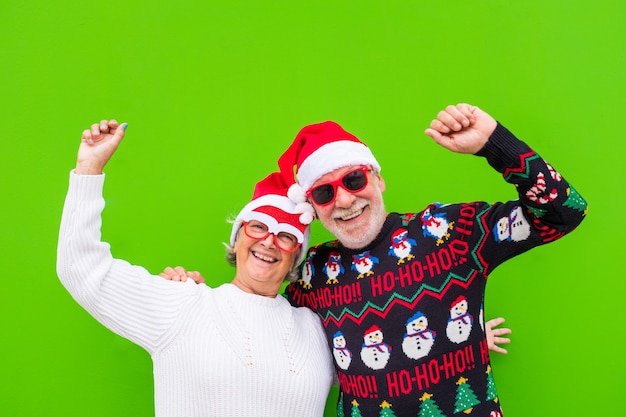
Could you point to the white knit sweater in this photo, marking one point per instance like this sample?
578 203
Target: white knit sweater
215 351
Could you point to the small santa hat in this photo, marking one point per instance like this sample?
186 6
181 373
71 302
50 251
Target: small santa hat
372 329
458 300
319 149
271 206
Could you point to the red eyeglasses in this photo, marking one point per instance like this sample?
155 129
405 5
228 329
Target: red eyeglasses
259 231
354 181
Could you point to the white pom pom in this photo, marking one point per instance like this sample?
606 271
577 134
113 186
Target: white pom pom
304 207
306 218
308 212
296 194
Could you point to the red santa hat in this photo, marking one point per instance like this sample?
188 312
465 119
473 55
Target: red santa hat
271 206
458 300
319 149
372 329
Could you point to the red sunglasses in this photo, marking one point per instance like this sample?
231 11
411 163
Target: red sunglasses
354 181
256 230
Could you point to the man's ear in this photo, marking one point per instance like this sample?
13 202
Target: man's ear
381 183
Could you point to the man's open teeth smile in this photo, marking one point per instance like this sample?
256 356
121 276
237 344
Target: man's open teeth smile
263 257
351 215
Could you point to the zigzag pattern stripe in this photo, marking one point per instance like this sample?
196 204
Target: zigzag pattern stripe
476 251
396 299
524 167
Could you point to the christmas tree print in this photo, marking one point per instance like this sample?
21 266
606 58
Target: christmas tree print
429 407
355 412
465 397
537 212
386 410
492 393
575 201
340 406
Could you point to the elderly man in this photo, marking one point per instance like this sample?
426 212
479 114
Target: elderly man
401 295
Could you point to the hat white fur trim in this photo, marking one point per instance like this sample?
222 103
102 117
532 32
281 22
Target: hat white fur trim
284 203
274 227
274 200
331 156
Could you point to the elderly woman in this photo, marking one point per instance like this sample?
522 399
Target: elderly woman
250 353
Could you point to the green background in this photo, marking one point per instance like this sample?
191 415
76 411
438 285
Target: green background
213 91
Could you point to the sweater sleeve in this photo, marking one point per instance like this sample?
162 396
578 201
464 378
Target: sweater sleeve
126 299
546 209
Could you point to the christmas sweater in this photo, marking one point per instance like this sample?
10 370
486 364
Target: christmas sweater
215 351
404 316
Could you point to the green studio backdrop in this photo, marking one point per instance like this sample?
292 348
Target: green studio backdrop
213 91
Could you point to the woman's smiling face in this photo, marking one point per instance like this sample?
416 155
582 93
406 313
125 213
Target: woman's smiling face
261 264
